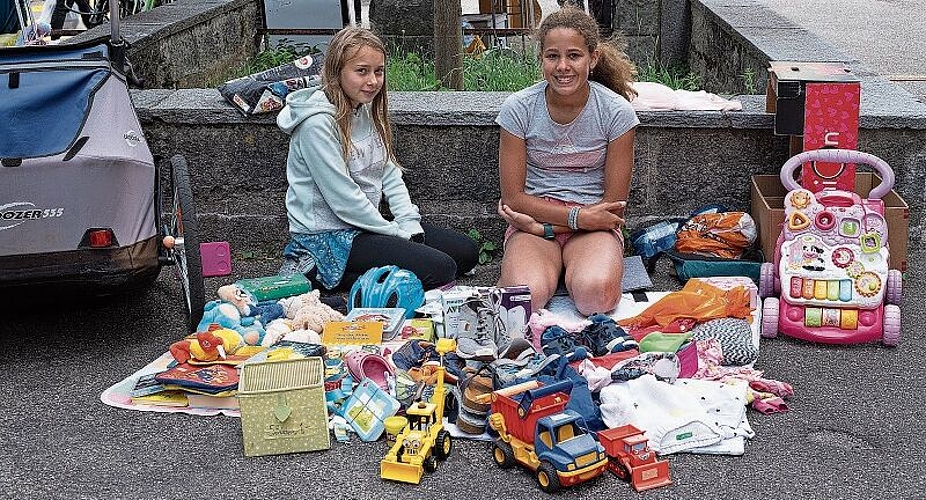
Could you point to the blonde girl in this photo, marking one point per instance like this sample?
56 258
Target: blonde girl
341 165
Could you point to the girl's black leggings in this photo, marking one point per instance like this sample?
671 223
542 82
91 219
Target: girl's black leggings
444 255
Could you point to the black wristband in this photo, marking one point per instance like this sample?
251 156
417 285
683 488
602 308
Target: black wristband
548 231
418 238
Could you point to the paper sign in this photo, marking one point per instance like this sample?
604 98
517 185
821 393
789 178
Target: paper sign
352 333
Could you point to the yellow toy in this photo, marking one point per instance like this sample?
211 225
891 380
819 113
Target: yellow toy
210 345
424 440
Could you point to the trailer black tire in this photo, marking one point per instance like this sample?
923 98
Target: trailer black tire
547 477
503 454
181 225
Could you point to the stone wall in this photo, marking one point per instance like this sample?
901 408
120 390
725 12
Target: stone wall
448 143
189 43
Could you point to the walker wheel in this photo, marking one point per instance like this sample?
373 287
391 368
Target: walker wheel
891 336
894 292
767 280
770 309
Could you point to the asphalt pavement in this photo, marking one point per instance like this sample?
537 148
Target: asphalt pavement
886 35
854 429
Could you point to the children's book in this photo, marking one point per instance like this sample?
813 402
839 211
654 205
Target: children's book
288 349
163 398
204 379
146 385
390 317
352 333
418 328
366 409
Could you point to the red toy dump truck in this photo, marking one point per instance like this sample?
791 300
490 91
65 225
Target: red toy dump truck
631 459
537 431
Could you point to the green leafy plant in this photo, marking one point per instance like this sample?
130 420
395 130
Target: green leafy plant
674 77
487 248
407 71
749 81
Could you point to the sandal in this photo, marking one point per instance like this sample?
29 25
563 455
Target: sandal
472 388
363 364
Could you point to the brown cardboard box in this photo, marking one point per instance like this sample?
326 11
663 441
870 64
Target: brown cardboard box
769 212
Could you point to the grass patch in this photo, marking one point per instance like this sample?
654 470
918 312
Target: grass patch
500 70
670 76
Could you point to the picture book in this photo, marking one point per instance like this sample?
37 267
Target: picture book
288 349
366 409
209 379
418 328
352 333
163 398
146 385
391 318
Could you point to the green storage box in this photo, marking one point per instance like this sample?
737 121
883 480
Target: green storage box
283 407
275 287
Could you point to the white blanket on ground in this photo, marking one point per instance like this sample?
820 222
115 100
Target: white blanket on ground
697 416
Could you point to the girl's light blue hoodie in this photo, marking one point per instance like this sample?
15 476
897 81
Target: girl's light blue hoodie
326 193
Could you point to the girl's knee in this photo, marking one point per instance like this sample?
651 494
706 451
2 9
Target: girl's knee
441 271
597 296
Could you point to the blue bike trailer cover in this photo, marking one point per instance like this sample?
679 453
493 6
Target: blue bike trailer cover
45 95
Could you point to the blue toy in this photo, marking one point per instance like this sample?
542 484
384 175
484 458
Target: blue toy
387 286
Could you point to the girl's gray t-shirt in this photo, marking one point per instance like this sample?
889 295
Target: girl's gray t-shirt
566 162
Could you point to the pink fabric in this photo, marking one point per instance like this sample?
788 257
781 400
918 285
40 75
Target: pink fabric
767 395
653 96
543 319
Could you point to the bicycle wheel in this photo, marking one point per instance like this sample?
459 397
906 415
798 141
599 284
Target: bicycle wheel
187 260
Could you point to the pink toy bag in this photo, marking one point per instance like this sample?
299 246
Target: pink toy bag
830 281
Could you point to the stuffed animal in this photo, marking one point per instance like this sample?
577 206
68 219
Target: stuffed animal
209 345
265 311
227 315
308 312
276 330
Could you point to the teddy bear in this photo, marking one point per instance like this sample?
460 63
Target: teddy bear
308 312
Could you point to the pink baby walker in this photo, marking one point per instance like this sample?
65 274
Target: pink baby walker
831 261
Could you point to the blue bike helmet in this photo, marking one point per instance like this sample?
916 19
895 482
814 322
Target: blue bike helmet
387 286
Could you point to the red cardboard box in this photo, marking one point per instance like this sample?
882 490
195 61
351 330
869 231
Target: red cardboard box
820 102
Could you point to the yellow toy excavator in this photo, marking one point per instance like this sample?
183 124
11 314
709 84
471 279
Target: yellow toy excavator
424 440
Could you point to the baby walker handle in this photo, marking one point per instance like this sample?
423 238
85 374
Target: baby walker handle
839 156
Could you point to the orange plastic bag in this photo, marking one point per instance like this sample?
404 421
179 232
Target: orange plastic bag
724 234
698 301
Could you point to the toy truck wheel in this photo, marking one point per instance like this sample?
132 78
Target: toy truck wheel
444 445
430 464
503 454
620 470
770 318
894 292
891 335
767 280
546 476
